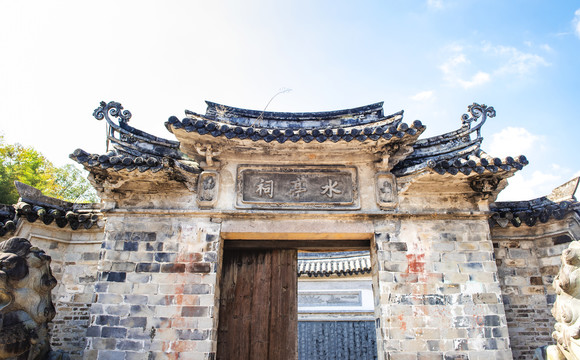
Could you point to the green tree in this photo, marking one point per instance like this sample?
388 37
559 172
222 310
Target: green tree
30 167
72 185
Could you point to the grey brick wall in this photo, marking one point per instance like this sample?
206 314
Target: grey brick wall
438 292
155 293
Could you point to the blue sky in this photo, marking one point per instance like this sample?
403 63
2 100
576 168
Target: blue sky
430 58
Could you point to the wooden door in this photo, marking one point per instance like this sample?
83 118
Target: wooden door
258 305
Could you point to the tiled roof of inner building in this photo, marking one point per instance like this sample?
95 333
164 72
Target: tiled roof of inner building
362 123
334 263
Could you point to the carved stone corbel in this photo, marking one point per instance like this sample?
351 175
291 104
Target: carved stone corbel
391 154
209 154
485 186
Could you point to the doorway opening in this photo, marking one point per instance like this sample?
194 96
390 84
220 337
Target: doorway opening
296 300
335 306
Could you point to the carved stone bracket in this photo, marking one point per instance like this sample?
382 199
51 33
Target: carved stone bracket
207 188
391 154
386 190
209 153
485 186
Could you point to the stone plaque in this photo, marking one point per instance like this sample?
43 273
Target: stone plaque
330 298
297 187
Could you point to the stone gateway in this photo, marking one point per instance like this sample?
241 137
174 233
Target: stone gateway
196 249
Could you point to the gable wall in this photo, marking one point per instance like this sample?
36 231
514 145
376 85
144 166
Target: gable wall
528 259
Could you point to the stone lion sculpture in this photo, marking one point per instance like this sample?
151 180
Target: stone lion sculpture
566 309
25 301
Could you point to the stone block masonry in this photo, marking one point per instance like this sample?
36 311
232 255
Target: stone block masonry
155 296
437 291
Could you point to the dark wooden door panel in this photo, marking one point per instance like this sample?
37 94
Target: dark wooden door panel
258 315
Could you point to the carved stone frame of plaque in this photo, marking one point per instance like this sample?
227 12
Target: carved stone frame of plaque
386 190
297 187
207 188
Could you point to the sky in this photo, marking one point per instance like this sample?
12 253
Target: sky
430 58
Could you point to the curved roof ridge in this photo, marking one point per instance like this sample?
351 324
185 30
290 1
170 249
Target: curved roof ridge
214 108
232 116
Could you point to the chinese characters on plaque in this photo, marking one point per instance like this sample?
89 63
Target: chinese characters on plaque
265 188
289 187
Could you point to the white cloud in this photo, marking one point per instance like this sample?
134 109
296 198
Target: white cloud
514 61
513 141
498 60
453 73
449 66
530 187
423 96
576 22
523 186
478 79
546 48
436 4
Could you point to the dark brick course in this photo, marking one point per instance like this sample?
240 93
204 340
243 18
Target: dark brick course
113 332
194 311
148 267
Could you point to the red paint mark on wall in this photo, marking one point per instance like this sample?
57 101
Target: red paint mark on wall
416 263
403 324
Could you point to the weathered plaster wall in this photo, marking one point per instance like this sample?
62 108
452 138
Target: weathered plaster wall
75 255
155 297
528 259
437 291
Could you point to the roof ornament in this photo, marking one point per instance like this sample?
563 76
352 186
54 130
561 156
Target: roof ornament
113 109
476 112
